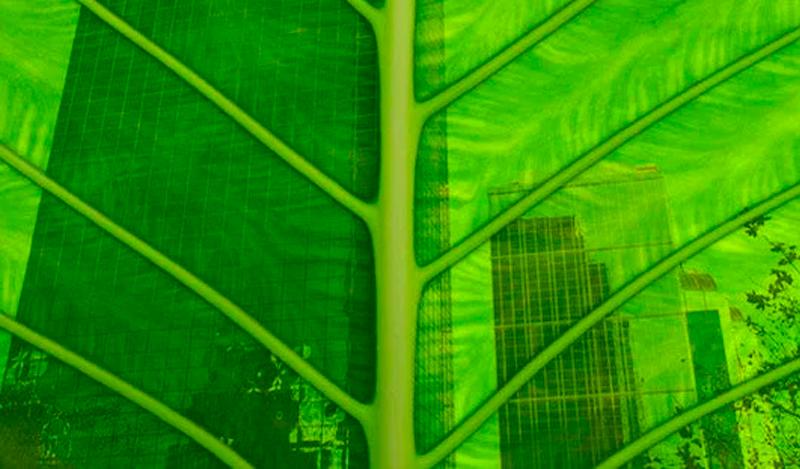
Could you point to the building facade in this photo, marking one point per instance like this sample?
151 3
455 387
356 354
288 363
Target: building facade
144 148
581 406
552 267
705 315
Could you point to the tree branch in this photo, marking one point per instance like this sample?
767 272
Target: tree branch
477 76
270 140
781 407
603 149
654 436
472 423
126 390
191 281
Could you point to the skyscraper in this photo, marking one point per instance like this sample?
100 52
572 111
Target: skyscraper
581 407
552 267
143 147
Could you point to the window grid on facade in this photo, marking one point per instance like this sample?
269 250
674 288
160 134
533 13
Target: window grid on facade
579 407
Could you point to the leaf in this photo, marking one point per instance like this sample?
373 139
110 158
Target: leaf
753 226
340 234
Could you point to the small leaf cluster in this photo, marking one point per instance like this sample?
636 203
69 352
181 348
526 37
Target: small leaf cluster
774 324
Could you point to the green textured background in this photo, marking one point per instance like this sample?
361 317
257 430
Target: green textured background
125 134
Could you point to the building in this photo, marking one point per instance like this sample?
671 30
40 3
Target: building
580 407
553 266
705 315
146 149
434 399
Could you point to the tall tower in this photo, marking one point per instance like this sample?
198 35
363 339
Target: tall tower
580 407
552 267
146 149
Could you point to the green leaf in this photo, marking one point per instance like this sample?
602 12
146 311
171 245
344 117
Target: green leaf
443 233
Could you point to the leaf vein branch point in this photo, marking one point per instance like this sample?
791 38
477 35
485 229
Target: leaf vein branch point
488 69
365 9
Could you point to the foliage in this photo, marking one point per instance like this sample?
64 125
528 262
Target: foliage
33 431
775 324
272 409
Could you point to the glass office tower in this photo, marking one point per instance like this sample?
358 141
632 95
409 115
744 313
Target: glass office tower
552 267
142 146
582 406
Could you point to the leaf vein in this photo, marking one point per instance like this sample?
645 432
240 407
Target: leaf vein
191 281
596 154
655 435
126 390
472 423
270 140
510 53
